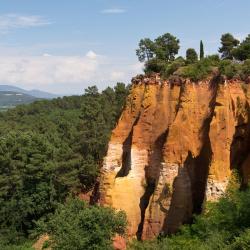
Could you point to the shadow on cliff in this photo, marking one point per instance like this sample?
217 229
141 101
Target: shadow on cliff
126 153
151 174
189 186
239 150
126 157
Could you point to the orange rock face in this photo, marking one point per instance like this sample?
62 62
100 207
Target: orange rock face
174 147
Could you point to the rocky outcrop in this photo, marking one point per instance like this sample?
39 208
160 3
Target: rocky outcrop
175 146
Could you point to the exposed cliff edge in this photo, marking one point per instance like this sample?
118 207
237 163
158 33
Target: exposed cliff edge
174 147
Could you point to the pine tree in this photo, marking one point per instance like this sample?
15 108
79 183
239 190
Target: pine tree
228 43
201 50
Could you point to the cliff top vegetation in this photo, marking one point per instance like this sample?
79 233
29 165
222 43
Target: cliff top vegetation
160 56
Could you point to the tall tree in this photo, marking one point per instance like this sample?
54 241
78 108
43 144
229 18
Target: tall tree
228 43
243 51
191 56
201 50
145 52
166 47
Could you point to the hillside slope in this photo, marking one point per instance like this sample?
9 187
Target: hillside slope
11 99
34 92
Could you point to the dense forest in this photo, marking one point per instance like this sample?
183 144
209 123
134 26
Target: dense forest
51 151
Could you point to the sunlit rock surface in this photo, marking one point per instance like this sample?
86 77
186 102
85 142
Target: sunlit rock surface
175 146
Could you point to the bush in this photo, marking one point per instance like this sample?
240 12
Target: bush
76 225
242 241
191 56
155 66
246 69
173 67
229 69
197 71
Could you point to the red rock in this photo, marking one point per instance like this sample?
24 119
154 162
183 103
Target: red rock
174 147
119 243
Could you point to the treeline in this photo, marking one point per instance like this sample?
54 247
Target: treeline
159 56
50 150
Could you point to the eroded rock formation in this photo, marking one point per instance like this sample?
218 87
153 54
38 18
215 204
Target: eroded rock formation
174 147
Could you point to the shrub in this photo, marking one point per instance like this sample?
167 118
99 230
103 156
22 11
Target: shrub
76 225
246 69
191 56
229 69
154 66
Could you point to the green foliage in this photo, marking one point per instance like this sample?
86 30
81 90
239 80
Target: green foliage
27 245
156 54
229 69
223 225
166 47
78 226
242 241
228 43
246 68
159 56
191 56
242 52
155 65
48 150
201 69
145 52
201 50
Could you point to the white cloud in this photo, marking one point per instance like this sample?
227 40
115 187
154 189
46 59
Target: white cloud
113 11
117 76
68 74
46 70
91 55
14 21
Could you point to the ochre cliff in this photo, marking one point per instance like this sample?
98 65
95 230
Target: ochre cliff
175 146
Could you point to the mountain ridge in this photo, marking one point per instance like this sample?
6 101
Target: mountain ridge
34 92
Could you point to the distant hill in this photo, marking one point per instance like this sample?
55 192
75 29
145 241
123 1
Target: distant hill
35 93
9 99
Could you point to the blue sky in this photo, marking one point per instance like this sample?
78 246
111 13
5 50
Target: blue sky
64 46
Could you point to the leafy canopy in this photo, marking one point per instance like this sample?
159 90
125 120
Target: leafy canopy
191 56
76 225
49 150
228 43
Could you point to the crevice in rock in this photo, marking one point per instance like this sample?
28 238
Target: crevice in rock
199 181
156 157
240 145
151 175
180 209
179 103
144 201
126 157
203 160
126 153
189 186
